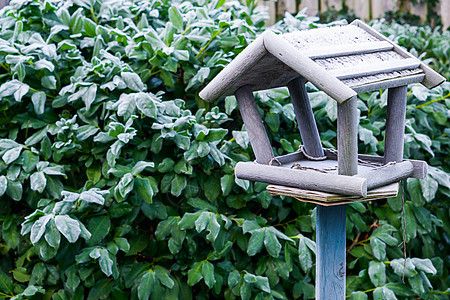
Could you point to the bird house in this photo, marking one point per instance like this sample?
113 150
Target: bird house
341 61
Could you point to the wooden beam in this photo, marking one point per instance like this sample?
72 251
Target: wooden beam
254 125
387 174
432 78
395 124
349 49
304 179
376 68
304 66
347 133
388 83
248 58
305 117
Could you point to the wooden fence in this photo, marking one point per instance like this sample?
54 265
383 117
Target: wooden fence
363 9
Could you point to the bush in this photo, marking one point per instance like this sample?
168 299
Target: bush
122 179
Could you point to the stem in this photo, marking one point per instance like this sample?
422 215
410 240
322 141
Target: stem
208 43
432 101
5 67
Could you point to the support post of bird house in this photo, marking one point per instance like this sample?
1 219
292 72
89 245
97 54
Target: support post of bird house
305 117
254 125
395 124
330 221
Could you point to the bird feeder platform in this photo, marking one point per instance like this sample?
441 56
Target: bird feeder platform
341 61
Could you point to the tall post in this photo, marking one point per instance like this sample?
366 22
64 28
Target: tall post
395 124
254 125
330 221
305 117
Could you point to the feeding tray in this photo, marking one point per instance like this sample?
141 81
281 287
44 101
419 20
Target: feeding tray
298 176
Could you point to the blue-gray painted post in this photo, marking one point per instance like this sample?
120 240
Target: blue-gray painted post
330 252
330 221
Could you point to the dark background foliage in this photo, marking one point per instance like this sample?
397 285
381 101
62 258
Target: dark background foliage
117 181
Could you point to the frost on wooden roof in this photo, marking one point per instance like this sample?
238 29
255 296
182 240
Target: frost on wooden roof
328 36
341 61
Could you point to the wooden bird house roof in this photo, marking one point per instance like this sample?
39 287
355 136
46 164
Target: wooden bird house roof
341 61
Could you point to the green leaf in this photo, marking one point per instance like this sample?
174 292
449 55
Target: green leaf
195 273
11 155
101 289
271 243
399 267
38 99
177 185
89 96
99 228
164 277
424 265
145 102
20 275
14 190
3 185
256 241
175 17
52 235
6 284
122 243
208 273
36 137
144 188
133 81
304 255
69 227
383 293
358 296
38 228
38 182
378 248
377 273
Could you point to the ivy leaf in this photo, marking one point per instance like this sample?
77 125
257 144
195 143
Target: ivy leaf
208 274
195 273
164 277
378 248
38 99
133 81
424 265
38 182
383 293
11 155
38 228
271 243
146 286
377 273
304 255
175 17
69 227
358 296
256 241
52 235
144 188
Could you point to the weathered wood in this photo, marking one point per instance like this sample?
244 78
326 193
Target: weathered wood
254 125
385 84
387 174
305 118
420 168
347 135
248 58
330 252
350 49
324 198
288 54
309 180
432 78
375 68
395 124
